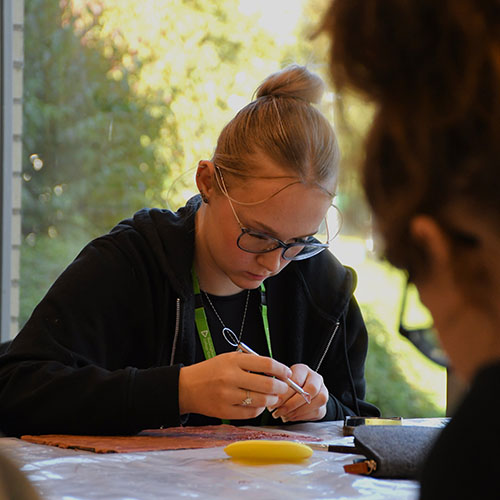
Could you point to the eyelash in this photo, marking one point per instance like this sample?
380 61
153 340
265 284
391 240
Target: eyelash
294 240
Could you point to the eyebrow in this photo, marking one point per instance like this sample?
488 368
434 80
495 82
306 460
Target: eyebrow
271 232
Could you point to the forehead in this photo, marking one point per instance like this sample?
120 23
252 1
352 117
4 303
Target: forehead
259 185
271 197
265 177
295 211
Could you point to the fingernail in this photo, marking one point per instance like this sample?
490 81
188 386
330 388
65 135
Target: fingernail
275 414
284 419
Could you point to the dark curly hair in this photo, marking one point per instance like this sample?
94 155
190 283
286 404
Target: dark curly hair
432 69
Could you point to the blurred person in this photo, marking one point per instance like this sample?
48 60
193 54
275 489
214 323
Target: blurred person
431 174
133 334
13 483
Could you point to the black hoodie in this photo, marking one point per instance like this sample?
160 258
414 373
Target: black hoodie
102 351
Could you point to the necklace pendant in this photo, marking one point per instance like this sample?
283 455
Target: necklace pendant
230 336
227 333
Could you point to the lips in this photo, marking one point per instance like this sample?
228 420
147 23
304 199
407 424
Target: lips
258 277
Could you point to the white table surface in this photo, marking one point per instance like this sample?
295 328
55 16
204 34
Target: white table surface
204 473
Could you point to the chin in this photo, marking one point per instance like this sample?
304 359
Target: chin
246 284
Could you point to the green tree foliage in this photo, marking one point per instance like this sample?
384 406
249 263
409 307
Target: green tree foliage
84 162
201 59
388 383
122 97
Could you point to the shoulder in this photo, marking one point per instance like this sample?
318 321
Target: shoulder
161 230
153 240
481 398
479 401
160 223
470 435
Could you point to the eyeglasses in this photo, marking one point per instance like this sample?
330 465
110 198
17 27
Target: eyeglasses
256 242
424 339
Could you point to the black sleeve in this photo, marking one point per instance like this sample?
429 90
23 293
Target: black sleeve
87 359
347 393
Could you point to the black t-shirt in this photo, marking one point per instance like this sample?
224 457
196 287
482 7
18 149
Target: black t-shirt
231 309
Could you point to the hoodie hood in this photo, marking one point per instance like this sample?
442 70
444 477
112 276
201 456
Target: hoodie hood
329 274
160 228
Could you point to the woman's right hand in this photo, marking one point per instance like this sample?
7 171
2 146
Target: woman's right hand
218 386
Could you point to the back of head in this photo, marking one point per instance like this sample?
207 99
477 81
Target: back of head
283 124
432 68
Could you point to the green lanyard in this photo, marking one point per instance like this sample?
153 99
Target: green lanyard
200 319
207 344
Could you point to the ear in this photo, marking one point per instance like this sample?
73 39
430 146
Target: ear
433 239
205 178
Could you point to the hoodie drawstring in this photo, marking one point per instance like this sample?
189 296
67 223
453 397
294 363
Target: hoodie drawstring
177 326
349 372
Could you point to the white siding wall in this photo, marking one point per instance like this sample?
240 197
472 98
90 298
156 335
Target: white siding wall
15 108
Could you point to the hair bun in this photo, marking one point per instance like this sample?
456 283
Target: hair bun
294 81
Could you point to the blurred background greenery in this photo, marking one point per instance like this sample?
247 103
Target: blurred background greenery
122 98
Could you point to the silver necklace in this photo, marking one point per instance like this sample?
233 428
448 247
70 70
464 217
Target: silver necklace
224 327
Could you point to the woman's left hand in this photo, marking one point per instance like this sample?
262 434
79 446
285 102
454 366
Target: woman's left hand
293 407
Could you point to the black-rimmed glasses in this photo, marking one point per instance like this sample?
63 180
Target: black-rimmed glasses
256 242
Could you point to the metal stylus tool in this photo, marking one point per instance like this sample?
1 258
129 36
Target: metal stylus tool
231 338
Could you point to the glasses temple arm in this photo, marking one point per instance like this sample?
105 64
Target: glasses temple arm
223 188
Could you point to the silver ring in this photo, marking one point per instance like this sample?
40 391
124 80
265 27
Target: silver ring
248 400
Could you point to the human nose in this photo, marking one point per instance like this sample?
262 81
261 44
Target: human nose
271 260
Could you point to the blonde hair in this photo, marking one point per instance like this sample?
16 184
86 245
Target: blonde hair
282 124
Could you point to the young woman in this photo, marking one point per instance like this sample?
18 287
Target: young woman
432 176
133 334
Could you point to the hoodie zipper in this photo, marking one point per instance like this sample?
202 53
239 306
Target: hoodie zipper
176 332
337 324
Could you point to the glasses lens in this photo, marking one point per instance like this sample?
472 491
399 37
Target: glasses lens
301 252
323 232
256 242
330 226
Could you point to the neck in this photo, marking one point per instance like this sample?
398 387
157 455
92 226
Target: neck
212 280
